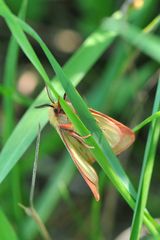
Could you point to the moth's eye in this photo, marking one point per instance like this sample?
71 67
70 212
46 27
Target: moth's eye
55 110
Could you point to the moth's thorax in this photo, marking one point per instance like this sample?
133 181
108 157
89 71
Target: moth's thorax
62 118
56 118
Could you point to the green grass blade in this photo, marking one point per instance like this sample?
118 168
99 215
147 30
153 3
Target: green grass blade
6 230
9 77
123 56
10 68
10 71
147 170
15 96
146 121
26 130
146 42
130 85
144 14
96 227
116 66
100 37
24 43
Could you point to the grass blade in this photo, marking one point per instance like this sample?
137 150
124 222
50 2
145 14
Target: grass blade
147 169
6 230
146 42
26 130
10 71
154 116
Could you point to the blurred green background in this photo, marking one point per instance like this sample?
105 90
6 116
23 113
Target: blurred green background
122 84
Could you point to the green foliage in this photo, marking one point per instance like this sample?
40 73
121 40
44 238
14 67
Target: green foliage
114 91
6 230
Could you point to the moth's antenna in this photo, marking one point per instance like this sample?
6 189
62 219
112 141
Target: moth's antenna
49 95
44 105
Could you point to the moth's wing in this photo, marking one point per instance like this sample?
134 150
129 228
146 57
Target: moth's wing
119 136
82 158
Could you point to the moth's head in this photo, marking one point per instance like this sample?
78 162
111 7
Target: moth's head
52 113
55 107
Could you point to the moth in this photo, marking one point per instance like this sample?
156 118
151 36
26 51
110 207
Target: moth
119 137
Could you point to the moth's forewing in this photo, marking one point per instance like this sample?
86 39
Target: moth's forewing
119 136
82 159
80 154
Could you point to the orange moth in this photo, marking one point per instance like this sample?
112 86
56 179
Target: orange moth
118 136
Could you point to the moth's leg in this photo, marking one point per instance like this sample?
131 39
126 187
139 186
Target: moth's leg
86 136
69 128
66 126
80 138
